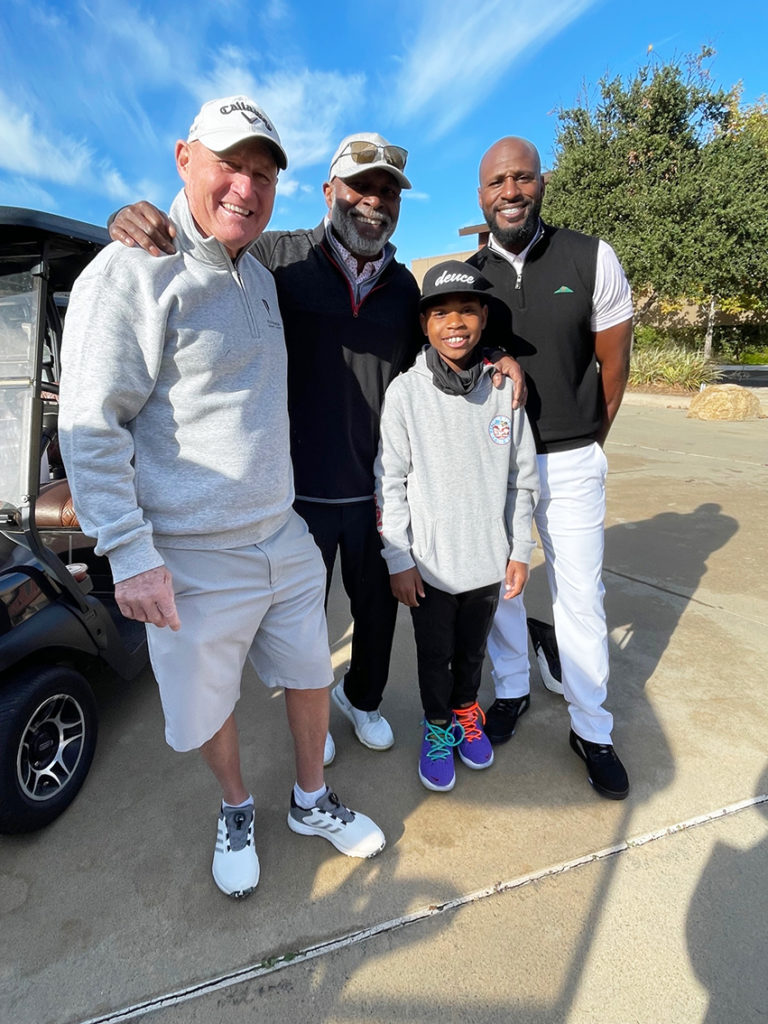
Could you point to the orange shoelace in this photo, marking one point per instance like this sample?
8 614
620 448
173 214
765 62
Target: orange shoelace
467 719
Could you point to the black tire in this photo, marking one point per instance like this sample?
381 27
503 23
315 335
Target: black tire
48 727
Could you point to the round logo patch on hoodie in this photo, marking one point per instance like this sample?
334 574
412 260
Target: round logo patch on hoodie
500 429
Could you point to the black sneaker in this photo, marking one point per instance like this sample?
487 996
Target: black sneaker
501 717
547 655
604 769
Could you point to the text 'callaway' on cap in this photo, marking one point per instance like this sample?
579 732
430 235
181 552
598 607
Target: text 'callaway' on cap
224 123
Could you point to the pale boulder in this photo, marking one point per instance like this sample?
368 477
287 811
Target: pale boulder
724 402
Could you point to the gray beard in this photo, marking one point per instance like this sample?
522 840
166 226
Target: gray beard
346 229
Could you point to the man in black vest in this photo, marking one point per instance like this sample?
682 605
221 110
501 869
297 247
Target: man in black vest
564 311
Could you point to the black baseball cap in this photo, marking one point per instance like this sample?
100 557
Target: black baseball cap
450 278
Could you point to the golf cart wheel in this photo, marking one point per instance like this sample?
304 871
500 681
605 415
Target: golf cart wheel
48 726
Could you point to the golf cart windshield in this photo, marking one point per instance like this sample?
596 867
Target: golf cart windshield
17 374
41 255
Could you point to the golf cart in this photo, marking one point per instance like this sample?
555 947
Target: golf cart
58 618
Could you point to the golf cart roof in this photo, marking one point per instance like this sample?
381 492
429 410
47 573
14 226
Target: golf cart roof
67 245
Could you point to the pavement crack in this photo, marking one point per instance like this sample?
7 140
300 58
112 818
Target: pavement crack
270 965
683 595
665 590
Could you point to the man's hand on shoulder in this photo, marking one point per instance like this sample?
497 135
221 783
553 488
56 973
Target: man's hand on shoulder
509 367
148 597
144 225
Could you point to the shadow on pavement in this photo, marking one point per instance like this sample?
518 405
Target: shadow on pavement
727 930
114 901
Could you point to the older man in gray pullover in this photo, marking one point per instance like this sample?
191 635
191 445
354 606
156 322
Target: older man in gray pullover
177 452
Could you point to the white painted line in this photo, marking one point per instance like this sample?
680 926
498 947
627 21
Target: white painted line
277 963
688 455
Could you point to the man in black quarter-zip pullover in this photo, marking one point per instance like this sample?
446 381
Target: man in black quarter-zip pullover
350 316
350 313
565 312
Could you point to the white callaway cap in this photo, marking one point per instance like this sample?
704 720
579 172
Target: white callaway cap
223 123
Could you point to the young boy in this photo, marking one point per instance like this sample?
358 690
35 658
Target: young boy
456 485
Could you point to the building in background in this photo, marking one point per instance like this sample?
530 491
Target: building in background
420 266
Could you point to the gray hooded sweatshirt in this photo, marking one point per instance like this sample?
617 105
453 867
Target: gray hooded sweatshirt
173 410
456 481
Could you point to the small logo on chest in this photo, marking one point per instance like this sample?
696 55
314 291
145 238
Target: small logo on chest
270 319
499 429
563 290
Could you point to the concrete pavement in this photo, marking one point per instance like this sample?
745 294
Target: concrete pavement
522 896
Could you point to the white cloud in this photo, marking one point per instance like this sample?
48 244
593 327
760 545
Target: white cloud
45 17
461 50
117 72
115 186
306 106
127 78
132 36
287 187
275 11
34 152
23 192
28 149
409 194
80 76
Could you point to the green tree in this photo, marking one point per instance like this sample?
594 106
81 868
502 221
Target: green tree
728 236
753 118
667 168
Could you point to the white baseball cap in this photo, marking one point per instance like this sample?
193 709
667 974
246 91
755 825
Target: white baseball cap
368 151
223 123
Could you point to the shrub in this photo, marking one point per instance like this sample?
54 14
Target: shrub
742 343
648 336
670 367
733 343
755 357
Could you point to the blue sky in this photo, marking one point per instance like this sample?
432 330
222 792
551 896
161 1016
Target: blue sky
93 94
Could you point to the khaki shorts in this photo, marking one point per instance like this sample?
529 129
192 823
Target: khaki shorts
264 602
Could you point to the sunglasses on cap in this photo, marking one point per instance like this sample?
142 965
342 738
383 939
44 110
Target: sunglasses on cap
366 152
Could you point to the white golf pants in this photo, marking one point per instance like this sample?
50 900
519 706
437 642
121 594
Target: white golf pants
570 519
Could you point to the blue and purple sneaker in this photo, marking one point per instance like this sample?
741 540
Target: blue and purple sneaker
436 769
473 745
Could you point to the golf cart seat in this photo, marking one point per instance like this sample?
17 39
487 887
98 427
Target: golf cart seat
54 509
